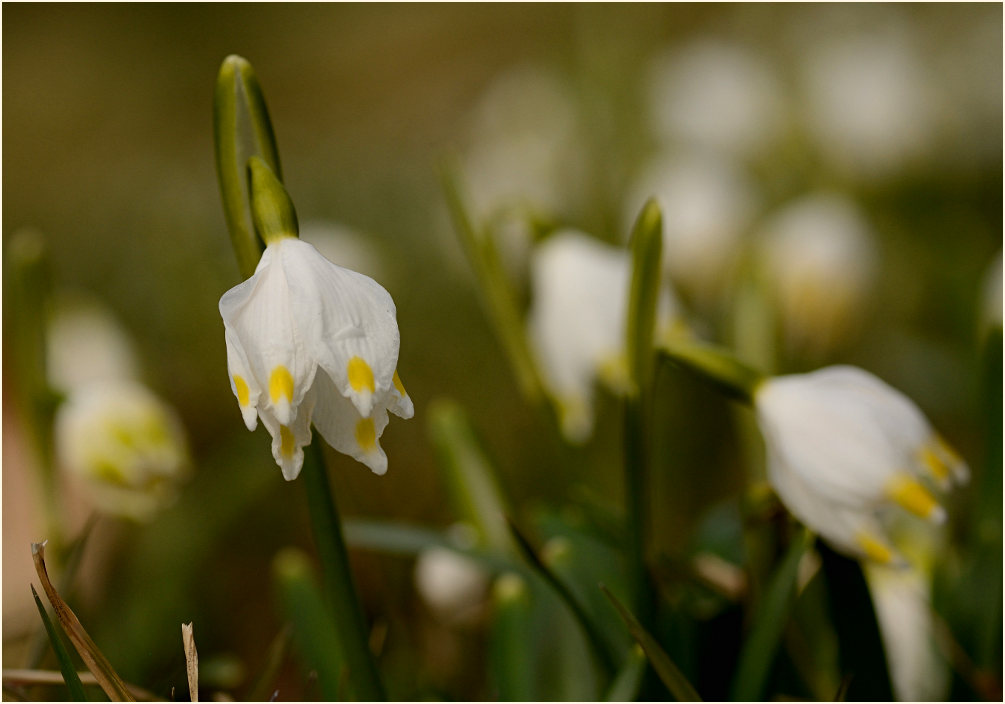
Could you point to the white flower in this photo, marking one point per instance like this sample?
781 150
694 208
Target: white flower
577 322
867 101
707 205
309 341
85 343
716 95
126 447
845 449
452 585
820 263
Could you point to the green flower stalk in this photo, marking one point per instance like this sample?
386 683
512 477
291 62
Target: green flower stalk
308 342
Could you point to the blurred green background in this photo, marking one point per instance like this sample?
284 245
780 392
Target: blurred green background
107 151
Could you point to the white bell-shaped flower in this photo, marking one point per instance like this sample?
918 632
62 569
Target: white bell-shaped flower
577 320
844 449
124 445
310 341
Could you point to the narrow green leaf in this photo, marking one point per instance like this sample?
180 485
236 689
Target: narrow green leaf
66 665
96 662
314 628
628 682
668 672
241 129
468 474
715 365
495 290
590 629
512 663
263 685
758 652
647 247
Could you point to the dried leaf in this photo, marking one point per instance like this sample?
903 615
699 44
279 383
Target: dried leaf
191 661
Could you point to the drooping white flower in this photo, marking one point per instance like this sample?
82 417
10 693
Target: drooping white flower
577 320
716 95
309 341
125 446
707 205
845 449
819 263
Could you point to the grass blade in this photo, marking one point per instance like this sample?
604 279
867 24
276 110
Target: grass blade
66 665
96 662
672 677
191 661
758 653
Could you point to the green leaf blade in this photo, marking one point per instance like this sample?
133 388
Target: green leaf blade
66 666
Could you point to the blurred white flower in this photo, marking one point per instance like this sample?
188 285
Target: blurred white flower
819 264
902 599
845 449
341 243
85 343
867 104
452 585
311 341
577 319
707 205
125 446
524 145
716 95
991 313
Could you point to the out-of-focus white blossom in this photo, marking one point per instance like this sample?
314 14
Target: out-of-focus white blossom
819 264
340 243
714 94
525 147
125 446
902 599
846 452
991 313
85 344
453 586
576 324
867 104
708 205
308 340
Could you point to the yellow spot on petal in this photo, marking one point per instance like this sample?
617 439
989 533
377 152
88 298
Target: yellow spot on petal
398 385
914 497
366 436
241 385
281 384
360 374
287 444
875 549
933 463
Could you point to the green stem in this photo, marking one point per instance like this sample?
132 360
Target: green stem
338 584
716 366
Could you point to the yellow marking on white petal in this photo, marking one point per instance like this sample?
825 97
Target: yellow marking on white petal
287 445
366 435
914 497
933 463
281 384
398 385
874 549
243 394
360 375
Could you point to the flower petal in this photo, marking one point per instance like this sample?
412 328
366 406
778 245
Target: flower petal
342 427
288 441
